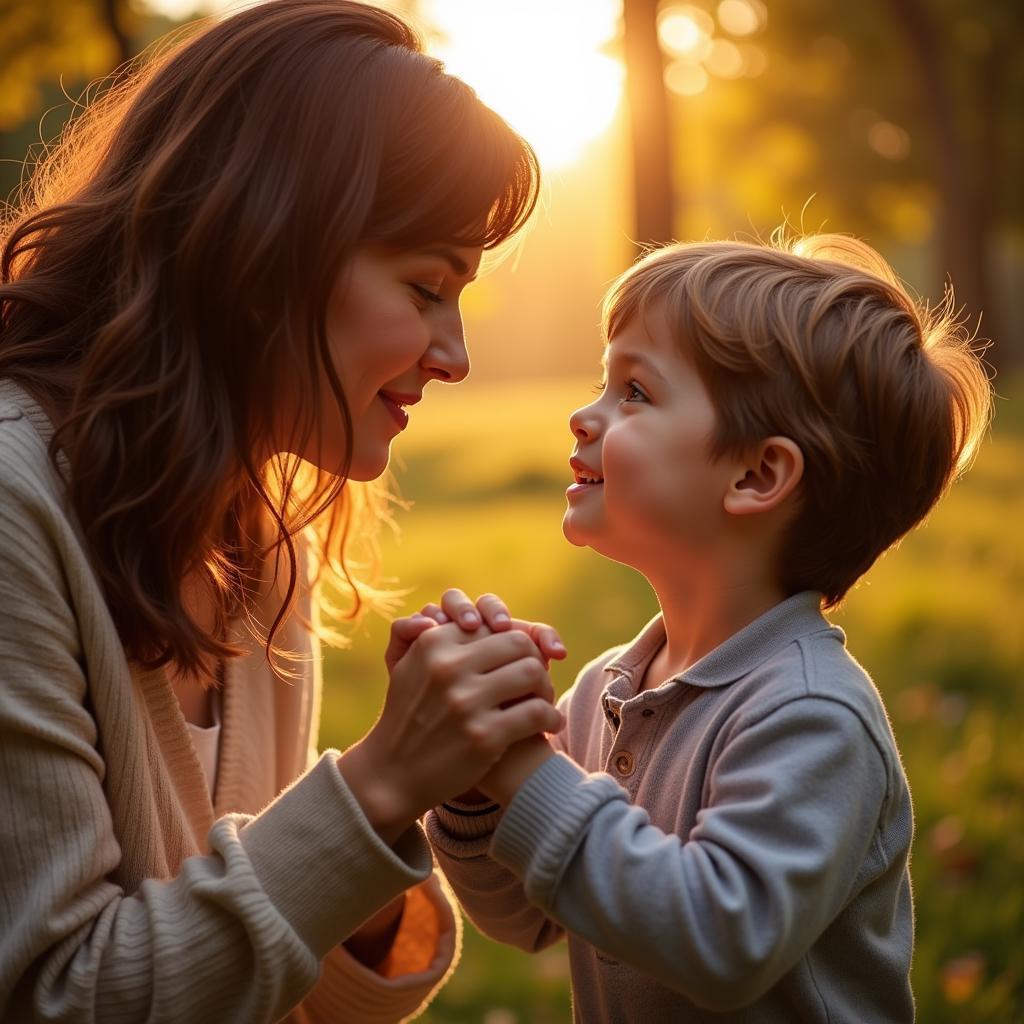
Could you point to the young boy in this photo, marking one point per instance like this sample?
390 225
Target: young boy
723 826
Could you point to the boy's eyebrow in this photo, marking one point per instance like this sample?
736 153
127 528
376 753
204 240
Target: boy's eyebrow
633 359
455 261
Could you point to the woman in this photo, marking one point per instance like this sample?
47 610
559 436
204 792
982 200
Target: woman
246 254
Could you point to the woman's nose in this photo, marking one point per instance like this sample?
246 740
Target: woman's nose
447 358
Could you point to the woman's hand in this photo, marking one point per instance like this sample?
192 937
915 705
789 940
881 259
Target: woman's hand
492 611
456 702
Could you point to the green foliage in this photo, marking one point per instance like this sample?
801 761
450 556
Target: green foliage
937 623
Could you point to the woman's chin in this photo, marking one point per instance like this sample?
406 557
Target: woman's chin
369 466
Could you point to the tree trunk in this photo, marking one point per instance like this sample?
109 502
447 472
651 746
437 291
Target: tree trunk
649 124
965 212
111 15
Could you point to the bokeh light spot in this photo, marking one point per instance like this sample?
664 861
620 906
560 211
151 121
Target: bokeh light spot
686 77
725 59
888 140
741 17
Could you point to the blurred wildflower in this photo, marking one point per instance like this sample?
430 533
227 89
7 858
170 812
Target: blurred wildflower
960 978
953 855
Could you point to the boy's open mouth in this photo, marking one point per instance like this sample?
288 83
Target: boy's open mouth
584 474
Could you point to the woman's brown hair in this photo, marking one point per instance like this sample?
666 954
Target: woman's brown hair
816 339
168 271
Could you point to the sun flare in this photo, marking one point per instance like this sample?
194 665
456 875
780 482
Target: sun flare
539 64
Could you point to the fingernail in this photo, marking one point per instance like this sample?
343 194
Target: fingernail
501 617
558 646
470 619
442 618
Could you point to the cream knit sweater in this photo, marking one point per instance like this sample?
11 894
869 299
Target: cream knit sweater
125 894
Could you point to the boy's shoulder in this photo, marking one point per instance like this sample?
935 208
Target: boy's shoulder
817 666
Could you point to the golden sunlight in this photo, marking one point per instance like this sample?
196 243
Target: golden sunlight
539 64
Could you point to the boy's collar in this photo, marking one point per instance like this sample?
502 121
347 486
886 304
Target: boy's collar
794 617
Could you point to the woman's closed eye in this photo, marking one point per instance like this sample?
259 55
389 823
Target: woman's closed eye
426 293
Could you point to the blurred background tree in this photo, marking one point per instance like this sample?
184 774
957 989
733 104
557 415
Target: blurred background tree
897 120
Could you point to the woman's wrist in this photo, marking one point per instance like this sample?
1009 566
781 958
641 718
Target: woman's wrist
382 803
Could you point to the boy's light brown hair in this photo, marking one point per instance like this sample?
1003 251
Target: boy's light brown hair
816 339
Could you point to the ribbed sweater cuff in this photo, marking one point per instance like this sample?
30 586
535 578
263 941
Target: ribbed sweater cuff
468 821
369 998
320 861
547 819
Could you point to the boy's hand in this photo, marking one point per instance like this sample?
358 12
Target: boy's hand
455 703
518 763
492 612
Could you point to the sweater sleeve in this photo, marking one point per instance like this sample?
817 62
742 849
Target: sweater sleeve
794 802
491 894
238 934
422 957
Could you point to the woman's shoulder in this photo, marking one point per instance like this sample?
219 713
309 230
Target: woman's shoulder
30 485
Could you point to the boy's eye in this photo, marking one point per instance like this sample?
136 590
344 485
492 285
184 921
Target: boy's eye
426 293
634 393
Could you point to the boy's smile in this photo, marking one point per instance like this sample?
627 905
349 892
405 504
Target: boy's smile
645 484
585 476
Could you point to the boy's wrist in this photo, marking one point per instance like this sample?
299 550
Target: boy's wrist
520 762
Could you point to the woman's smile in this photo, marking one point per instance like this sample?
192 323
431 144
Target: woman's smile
395 403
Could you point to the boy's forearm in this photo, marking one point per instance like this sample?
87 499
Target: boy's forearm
491 895
460 834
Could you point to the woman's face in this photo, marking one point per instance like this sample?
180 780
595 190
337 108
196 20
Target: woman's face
393 325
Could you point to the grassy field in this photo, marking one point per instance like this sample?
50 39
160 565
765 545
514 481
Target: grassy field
939 623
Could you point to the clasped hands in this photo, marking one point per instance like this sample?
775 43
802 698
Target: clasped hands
469 700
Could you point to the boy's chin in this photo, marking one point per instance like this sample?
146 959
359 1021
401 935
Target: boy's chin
573 533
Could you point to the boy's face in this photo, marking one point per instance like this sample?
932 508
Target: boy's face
646 488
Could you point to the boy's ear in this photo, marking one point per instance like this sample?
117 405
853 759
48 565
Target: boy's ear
765 479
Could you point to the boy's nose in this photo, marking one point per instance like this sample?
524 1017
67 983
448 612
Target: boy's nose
583 423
